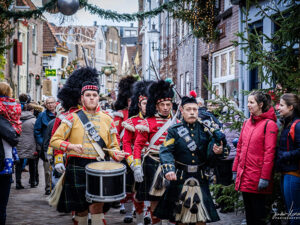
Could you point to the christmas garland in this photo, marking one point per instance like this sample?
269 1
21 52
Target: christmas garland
105 14
199 14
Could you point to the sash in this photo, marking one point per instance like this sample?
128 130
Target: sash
93 135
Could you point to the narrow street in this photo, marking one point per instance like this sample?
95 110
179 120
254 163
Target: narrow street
29 207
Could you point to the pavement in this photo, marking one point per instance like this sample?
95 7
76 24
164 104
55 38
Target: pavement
29 207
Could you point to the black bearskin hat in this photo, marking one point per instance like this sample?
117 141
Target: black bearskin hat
138 89
125 92
70 94
158 91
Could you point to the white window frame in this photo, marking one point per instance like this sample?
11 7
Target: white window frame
181 84
110 45
187 83
216 82
34 38
115 47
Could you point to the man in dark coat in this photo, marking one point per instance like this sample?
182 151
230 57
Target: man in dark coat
189 148
40 128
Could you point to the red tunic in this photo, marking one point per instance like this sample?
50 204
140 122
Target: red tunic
130 133
119 117
146 130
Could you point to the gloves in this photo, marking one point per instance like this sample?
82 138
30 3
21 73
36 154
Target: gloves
234 176
263 183
60 167
138 174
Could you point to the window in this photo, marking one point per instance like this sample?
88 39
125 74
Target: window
127 33
110 45
34 38
223 71
100 44
232 62
181 84
116 47
216 67
23 40
224 65
188 83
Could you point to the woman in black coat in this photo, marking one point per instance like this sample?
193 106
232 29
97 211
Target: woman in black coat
9 135
288 155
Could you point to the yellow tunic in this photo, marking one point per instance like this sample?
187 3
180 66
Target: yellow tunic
72 131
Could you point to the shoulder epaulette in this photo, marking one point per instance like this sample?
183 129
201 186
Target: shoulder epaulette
143 126
119 114
128 125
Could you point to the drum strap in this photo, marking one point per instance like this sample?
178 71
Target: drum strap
89 127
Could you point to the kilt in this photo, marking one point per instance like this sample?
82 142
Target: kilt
142 189
72 197
167 204
129 177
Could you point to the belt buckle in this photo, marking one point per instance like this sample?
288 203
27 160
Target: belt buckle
192 169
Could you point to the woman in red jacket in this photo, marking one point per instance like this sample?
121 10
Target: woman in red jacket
253 164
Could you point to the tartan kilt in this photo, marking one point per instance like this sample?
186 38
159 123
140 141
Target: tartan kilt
129 177
72 197
167 204
142 189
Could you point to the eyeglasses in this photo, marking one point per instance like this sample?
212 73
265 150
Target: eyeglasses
48 103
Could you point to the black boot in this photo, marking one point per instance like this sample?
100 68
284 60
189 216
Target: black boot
19 185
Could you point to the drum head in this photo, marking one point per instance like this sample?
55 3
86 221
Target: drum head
105 166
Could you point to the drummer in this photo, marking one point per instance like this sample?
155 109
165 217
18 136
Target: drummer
72 138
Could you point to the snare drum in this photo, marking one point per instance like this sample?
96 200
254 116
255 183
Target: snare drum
105 181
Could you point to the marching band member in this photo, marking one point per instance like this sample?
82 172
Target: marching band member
73 138
137 112
187 150
153 129
120 115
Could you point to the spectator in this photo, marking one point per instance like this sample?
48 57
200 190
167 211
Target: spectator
205 114
27 146
8 139
223 169
40 128
288 155
253 164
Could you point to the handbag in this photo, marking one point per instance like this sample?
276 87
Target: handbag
54 197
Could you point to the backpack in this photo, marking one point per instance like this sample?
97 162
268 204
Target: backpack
292 132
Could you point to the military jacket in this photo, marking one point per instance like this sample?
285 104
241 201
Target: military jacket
119 117
130 135
187 144
72 131
146 130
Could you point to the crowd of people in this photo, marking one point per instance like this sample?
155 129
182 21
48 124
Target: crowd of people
168 149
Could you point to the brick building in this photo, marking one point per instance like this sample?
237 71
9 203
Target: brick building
24 75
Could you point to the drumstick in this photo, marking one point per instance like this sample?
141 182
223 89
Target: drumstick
114 150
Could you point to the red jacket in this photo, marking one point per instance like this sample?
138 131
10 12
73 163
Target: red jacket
146 130
255 153
119 117
130 135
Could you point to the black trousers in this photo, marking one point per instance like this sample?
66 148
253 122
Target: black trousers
32 170
255 207
5 183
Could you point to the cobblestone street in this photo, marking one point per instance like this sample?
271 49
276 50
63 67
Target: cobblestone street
29 207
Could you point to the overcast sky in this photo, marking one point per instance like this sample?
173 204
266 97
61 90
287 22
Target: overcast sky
83 17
